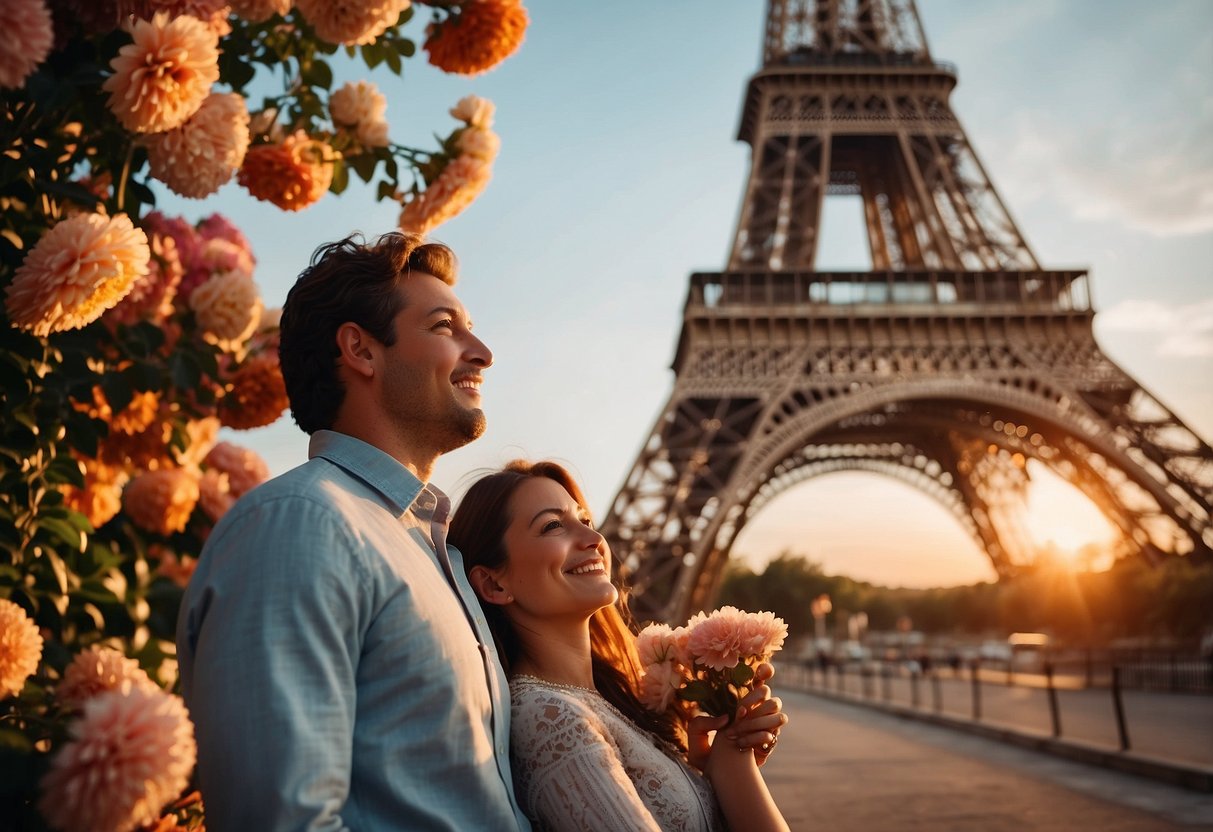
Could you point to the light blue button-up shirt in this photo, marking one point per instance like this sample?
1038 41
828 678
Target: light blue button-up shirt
335 661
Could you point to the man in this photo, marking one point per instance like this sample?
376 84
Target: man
335 662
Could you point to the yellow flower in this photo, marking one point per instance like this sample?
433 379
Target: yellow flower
20 648
162 78
480 36
202 154
80 268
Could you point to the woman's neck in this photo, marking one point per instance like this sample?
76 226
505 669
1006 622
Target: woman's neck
556 654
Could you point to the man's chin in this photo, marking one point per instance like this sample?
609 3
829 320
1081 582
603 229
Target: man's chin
468 426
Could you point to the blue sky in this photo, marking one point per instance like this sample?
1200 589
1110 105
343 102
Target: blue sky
620 175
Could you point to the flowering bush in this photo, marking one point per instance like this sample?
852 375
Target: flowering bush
710 661
128 337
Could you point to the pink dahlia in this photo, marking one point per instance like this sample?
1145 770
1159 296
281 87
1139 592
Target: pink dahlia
715 640
96 670
259 11
26 36
357 102
228 309
162 78
762 634
656 644
219 227
80 268
204 152
151 297
131 752
161 501
179 570
244 467
214 256
215 495
20 648
658 685
351 22
447 196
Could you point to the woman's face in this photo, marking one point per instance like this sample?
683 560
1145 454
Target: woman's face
556 563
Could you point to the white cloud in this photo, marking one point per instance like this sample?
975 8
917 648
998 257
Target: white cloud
1154 177
1188 328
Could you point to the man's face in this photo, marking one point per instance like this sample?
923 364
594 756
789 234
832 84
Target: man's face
431 376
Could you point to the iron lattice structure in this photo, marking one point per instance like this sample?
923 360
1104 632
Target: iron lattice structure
951 364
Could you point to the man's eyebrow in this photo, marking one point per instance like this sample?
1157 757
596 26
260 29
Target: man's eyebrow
444 310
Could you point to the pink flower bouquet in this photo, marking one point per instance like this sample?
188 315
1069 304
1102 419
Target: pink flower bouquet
710 661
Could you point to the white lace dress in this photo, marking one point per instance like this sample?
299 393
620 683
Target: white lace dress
579 764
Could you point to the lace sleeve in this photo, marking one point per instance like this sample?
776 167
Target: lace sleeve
568 769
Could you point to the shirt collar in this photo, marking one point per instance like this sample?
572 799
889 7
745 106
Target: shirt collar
381 472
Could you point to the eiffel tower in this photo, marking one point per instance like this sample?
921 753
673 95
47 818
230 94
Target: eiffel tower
950 365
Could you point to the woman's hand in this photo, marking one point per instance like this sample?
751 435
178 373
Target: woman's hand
755 726
759 718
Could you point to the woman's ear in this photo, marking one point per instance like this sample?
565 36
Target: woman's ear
487 587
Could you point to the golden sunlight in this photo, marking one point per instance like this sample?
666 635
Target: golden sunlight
1062 518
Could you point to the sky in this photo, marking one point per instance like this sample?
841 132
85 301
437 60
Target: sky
620 175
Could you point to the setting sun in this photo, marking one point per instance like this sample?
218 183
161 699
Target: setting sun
1060 516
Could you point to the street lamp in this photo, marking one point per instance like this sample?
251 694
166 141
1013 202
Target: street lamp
820 608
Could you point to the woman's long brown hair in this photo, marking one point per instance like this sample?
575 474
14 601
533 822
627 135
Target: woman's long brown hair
478 531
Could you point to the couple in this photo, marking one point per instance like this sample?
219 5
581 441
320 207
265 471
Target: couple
344 655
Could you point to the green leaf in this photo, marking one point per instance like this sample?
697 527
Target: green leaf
696 690
364 165
117 389
392 59
320 75
184 370
341 177
741 674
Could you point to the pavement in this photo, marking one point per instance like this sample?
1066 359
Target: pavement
843 766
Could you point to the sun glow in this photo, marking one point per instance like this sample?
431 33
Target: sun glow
1060 518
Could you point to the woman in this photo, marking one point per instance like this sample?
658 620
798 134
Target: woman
586 753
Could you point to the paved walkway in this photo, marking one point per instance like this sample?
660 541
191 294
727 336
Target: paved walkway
845 767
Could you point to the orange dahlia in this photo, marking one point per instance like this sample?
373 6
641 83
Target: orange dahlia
101 498
351 22
204 152
257 396
215 494
80 268
475 111
292 174
161 501
25 40
481 35
20 648
162 78
454 190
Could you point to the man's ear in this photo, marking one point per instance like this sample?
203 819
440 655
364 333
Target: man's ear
357 349
486 585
